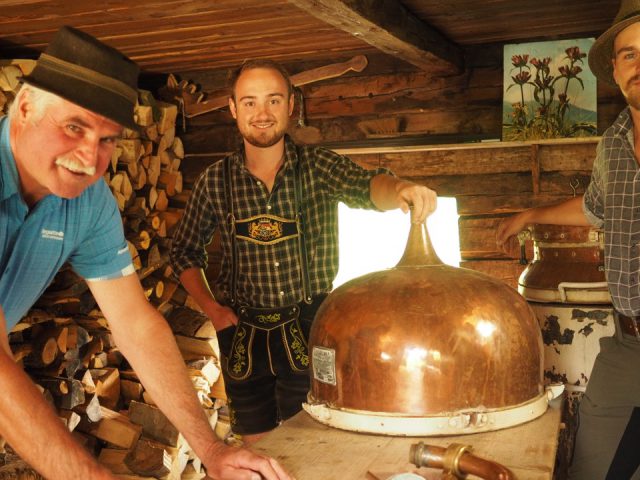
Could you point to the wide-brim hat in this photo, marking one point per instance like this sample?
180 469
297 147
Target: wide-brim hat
85 71
601 52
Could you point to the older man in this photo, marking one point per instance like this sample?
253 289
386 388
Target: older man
609 429
55 145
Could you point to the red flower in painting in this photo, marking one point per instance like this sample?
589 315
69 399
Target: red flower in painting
519 60
521 78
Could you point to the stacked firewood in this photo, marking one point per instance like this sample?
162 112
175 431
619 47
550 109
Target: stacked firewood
100 399
65 345
10 73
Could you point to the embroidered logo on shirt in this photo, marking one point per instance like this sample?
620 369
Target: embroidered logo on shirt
265 229
52 234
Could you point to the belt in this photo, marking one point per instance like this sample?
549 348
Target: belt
629 325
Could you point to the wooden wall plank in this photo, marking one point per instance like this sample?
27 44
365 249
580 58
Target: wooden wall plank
506 270
478 240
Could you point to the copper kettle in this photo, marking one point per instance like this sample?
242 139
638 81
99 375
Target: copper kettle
425 349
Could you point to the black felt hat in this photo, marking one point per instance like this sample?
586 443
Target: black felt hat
85 71
601 52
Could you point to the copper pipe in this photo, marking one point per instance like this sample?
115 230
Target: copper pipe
457 462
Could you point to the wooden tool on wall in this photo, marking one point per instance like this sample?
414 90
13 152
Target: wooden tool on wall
356 64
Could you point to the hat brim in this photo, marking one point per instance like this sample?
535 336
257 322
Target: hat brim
601 53
86 95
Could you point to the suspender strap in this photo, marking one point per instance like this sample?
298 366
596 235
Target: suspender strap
231 225
302 244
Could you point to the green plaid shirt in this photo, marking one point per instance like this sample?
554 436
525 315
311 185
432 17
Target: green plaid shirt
270 275
612 202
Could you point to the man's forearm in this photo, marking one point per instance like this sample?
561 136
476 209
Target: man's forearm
569 212
384 191
195 282
151 350
145 339
147 342
32 429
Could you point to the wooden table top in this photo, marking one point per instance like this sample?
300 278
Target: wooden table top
310 450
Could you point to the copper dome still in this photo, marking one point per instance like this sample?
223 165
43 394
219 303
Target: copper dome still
425 349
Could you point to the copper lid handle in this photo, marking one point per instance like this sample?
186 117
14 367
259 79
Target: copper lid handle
419 250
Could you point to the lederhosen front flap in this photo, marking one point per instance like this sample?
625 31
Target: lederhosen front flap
283 321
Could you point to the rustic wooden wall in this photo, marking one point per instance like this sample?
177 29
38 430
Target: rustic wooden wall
391 104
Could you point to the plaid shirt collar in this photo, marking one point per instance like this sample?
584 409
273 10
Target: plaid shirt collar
290 156
623 126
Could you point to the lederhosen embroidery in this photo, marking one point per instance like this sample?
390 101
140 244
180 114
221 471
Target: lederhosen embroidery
266 230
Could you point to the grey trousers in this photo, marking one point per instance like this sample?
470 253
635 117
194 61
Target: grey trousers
608 438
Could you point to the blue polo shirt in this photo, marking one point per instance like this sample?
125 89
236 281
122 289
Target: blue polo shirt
86 231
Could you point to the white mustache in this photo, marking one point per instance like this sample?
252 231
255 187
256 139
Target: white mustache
75 166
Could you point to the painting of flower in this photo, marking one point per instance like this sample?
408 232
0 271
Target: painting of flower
549 91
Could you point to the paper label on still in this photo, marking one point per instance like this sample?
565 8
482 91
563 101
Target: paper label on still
324 365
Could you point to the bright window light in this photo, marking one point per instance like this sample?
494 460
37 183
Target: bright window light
372 241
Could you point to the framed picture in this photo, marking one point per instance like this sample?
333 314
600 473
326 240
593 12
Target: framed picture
548 91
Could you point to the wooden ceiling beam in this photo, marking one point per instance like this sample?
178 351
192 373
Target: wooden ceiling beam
390 27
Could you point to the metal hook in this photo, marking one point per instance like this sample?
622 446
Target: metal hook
574 184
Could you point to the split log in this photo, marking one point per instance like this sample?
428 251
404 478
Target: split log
162 202
194 348
166 140
92 348
90 409
131 150
168 115
151 132
149 458
107 386
143 115
142 240
113 428
171 217
70 418
20 351
152 287
43 354
113 459
131 390
171 182
68 393
153 170
205 368
77 337
190 323
155 424
177 147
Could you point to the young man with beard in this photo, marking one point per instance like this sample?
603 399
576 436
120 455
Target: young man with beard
55 145
609 414
275 204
